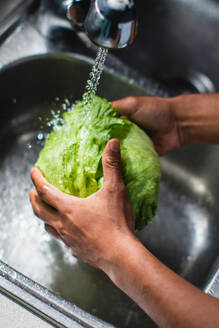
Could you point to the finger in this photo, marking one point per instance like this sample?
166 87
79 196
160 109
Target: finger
52 231
42 210
50 194
147 112
111 163
127 106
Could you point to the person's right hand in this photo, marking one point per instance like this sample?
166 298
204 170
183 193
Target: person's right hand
156 117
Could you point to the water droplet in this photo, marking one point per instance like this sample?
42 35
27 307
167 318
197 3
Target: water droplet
67 102
56 120
40 136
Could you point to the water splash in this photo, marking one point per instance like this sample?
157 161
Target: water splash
95 74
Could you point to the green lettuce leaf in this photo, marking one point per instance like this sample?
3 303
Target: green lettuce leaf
71 157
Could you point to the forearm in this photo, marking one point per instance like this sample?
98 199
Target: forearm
197 118
167 298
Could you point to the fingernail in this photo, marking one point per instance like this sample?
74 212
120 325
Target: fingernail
115 146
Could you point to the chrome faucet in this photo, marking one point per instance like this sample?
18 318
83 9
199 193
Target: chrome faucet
107 23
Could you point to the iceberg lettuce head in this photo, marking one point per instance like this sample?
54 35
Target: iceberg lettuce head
71 157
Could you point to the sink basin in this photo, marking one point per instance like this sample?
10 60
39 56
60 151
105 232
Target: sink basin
175 38
184 234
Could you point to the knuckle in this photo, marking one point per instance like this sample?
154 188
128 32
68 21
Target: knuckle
121 190
36 210
132 101
60 228
62 231
68 213
31 193
41 191
113 163
116 188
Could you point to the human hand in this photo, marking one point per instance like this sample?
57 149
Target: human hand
156 117
94 226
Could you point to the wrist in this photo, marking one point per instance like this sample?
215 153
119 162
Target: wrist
181 121
115 250
112 249
122 260
197 118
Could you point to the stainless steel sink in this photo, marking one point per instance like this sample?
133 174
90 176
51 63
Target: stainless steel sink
39 79
184 235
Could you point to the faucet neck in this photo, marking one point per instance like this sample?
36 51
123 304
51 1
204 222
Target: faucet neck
108 23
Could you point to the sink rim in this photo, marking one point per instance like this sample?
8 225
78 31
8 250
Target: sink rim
113 67
41 301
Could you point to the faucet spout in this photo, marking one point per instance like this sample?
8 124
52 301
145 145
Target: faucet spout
108 23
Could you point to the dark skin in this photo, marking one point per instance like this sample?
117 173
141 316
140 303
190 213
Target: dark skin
88 226
174 122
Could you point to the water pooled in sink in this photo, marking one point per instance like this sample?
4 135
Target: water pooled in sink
24 244
95 74
20 231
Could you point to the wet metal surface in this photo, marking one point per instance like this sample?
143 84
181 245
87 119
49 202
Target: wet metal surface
176 37
183 234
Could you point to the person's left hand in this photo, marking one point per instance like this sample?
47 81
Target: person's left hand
89 226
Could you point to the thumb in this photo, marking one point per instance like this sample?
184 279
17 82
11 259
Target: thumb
111 162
